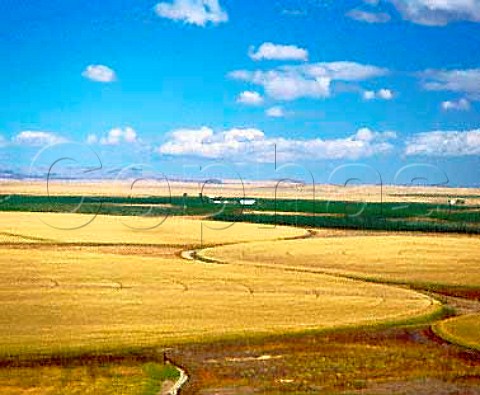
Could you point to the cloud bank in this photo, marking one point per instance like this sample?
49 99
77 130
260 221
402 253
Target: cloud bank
311 80
444 143
252 145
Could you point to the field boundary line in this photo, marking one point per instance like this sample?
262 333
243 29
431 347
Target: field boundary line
199 254
443 333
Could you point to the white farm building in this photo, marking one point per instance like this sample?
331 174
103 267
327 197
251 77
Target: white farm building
247 202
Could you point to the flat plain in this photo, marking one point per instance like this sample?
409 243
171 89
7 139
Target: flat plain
94 303
239 188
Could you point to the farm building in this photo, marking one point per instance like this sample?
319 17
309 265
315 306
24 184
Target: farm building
456 202
247 202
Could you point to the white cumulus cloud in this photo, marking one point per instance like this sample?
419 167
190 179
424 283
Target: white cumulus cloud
369 95
383 94
99 73
37 139
438 12
444 143
456 105
307 80
275 112
250 98
466 81
115 136
270 51
253 145
194 12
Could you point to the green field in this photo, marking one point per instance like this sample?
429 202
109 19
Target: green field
306 213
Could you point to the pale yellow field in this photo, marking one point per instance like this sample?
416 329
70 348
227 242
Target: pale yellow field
82 298
50 227
436 259
463 330
235 188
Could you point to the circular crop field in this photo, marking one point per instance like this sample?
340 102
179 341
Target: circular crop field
463 330
56 300
426 260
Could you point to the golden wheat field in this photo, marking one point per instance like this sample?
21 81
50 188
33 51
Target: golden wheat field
76 285
405 258
58 298
112 230
463 330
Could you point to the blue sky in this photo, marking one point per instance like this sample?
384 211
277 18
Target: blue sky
182 84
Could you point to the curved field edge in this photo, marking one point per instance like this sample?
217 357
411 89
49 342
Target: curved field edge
105 319
105 230
434 311
298 256
438 312
152 337
152 352
448 330
460 291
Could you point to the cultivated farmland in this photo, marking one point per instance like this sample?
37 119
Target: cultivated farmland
464 330
91 302
77 299
427 261
111 230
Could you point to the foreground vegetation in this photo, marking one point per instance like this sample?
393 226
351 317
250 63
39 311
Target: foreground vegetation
87 378
407 360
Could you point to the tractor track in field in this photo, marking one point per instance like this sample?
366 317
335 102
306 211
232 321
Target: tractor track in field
193 254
